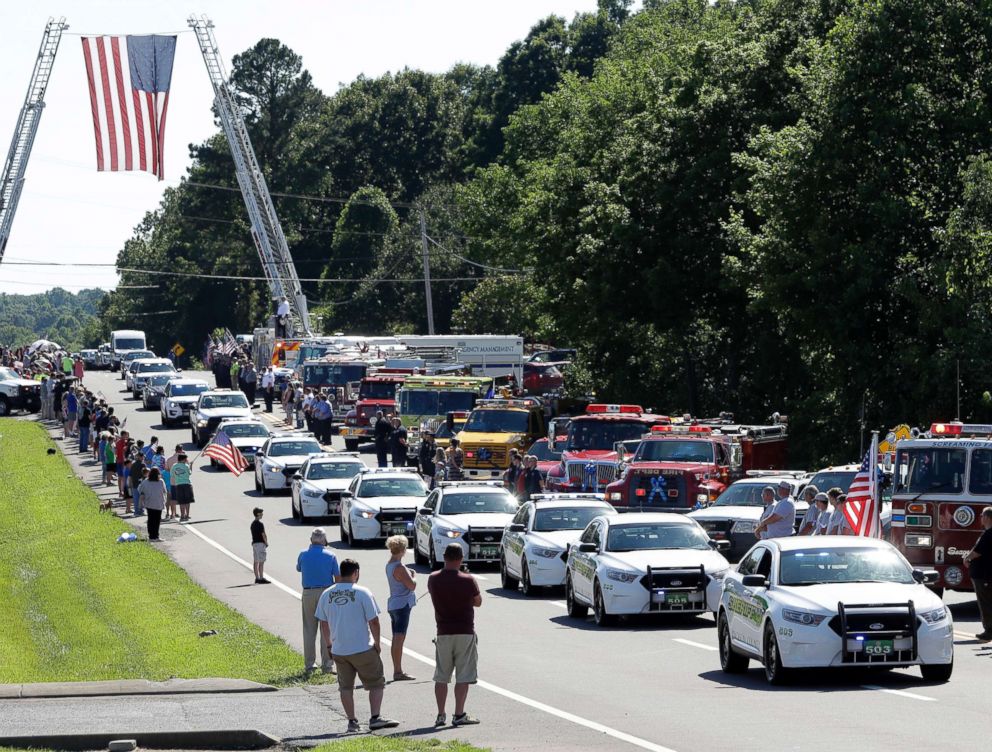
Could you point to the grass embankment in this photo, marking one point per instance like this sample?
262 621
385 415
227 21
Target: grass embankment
395 744
77 606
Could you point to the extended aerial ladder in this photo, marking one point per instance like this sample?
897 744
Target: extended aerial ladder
266 231
12 179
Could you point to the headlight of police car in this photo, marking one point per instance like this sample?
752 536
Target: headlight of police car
448 532
802 617
546 553
934 617
201 422
269 468
309 493
743 526
366 514
621 576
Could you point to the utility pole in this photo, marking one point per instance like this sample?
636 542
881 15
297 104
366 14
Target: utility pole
427 271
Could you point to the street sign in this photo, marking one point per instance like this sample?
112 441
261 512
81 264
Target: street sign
178 349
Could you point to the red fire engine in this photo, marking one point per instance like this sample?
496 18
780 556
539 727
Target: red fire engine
589 460
377 392
677 467
941 482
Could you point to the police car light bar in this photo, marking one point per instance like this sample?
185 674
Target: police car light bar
470 483
389 470
567 496
613 409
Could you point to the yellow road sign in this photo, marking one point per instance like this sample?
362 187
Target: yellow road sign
178 349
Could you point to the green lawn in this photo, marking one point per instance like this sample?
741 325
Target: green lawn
395 744
79 606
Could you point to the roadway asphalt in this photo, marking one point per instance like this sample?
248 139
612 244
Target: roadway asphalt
554 682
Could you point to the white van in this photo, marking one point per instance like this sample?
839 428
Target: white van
124 341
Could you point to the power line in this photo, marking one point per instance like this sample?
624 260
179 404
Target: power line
474 263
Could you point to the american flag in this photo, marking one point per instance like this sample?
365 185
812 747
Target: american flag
862 508
126 76
230 345
222 450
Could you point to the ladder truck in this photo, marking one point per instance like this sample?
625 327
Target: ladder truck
12 178
270 242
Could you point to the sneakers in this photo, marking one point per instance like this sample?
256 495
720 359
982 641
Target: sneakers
985 636
263 581
440 720
464 720
378 722
353 727
403 676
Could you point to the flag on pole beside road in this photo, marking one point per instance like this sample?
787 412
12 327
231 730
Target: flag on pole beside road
222 450
129 79
862 509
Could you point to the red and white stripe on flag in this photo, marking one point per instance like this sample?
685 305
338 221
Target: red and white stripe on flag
862 508
222 450
129 124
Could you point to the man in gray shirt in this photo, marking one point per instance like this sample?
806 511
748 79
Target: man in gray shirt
781 521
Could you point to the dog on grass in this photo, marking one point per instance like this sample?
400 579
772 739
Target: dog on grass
107 506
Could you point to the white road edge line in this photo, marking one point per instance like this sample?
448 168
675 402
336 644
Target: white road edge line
537 705
695 644
900 692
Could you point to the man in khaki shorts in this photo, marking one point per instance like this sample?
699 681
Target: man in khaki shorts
349 625
456 596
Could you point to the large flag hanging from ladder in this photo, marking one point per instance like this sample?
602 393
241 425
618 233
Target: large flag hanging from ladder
126 77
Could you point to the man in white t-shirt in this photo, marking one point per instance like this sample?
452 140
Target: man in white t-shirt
349 625
268 387
282 318
781 521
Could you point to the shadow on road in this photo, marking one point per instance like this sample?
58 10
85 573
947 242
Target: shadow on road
639 623
822 680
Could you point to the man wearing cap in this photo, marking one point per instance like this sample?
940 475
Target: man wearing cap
319 569
808 524
779 520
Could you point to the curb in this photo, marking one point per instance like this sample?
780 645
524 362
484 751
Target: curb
208 739
127 687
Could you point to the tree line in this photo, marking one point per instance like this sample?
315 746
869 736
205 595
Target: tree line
753 206
70 319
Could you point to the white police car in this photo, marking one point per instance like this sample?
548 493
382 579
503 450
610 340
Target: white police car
179 398
146 370
280 457
212 407
643 564
247 434
832 600
379 502
318 485
474 515
535 544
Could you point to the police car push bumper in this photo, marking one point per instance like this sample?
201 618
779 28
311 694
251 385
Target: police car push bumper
177 410
370 524
478 551
624 593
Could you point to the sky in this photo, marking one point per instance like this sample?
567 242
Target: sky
70 213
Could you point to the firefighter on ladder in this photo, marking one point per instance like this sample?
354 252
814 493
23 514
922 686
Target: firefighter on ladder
282 318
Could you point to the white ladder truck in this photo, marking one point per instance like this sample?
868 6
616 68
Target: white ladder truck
266 231
12 179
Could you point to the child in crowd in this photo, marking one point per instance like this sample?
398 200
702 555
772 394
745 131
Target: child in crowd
128 487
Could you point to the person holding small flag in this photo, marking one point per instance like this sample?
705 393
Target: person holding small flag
223 450
182 487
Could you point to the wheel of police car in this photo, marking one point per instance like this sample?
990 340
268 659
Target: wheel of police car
506 581
432 561
575 609
775 672
4 407
603 619
937 672
345 538
292 509
418 558
731 661
526 586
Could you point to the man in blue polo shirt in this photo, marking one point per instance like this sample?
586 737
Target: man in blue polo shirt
322 413
320 570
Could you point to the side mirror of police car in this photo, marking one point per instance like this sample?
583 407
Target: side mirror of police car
426 511
754 580
346 494
719 545
297 476
588 548
516 527
926 576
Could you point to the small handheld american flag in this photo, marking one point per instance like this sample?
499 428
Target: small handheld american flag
222 450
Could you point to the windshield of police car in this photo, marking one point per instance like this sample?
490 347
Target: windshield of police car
160 380
212 401
287 448
188 390
834 565
144 368
930 470
373 487
742 495
655 535
243 430
601 434
566 518
468 503
497 421
334 470
674 450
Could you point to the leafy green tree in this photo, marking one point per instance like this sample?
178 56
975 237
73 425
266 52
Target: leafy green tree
505 305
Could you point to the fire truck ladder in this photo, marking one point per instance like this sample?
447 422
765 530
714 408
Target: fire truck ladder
265 228
12 180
